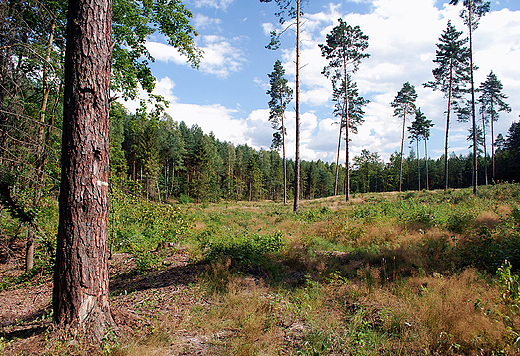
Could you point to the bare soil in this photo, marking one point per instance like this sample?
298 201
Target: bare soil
139 304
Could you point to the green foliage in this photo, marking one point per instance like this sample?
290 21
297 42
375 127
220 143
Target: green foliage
244 249
460 221
509 282
140 225
146 262
317 214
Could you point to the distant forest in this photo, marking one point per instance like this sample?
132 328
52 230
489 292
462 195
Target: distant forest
162 159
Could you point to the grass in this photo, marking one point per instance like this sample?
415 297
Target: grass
418 273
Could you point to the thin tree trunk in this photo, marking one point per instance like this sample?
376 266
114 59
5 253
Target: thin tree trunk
473 118
40 160
80 295
347 163
297 155
426 157
284 163
337 159
493 144
450 91
347 126
485 148
402 149
418 166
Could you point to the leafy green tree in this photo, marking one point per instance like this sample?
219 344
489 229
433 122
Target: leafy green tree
471 13
344 49
451 76
369 167
281 95
404 104
133 22
287 10
492 102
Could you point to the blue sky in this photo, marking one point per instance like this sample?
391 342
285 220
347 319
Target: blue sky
227 94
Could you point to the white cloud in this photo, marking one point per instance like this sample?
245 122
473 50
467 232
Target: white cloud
201 22
221 56
217 4
402 43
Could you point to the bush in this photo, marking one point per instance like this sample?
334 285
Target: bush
244 249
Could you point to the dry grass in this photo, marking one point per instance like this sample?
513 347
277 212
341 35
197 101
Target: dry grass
348 280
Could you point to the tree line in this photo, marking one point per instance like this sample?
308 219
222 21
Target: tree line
165 160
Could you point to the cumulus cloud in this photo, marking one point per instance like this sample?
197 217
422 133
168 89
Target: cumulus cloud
402 43
201 21
221 56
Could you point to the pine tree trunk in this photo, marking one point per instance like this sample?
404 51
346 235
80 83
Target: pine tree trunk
493 144
402 149
418 166
284 163
337 160
80 295
426 158
450 91
297 154
473 118
485 148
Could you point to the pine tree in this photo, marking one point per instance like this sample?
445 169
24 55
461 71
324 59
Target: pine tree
286 9
349 119
344 49
420 130
451 76
404 104
471 13
281 95
80 296
492 102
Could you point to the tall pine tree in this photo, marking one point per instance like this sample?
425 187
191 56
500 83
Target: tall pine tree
492 102
287 9
404 105
344 49
281 95
471 13
451 76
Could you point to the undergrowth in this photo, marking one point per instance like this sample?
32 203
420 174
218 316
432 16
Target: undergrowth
418 273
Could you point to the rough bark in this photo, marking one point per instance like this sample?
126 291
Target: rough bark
80 295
